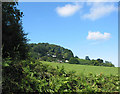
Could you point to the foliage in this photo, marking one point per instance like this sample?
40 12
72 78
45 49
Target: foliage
98 62
49 52
87 58
14 41
73 60
12 74
35 76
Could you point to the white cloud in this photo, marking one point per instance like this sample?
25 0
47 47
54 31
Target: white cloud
68 10
98 36
99 10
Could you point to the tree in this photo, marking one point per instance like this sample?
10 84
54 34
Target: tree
73 60
100 60
59 56
76 57
87 58
68 55
40 49
14 41
109 64
95 62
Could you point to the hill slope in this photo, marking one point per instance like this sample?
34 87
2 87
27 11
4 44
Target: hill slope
50 52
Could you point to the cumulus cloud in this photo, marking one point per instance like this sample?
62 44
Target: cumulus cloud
99 10
68 10
98 36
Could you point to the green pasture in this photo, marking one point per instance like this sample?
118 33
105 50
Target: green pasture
85 69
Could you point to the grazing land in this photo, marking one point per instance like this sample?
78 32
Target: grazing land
85 69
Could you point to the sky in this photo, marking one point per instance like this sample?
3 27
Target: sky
86 28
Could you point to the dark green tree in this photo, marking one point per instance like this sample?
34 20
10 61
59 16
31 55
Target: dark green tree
76 57
87 58
14 41
100 60
73 60
109 64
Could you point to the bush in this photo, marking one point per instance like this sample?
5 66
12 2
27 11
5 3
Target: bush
73 60
34 76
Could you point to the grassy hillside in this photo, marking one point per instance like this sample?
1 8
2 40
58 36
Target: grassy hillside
86 69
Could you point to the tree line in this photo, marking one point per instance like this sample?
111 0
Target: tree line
87 61
55 53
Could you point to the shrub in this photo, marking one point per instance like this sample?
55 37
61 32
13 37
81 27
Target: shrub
73 60
40 77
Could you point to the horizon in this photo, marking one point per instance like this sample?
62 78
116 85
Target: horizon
75 26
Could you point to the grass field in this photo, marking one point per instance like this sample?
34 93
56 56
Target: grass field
85 69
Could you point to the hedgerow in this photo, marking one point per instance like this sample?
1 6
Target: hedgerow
34 76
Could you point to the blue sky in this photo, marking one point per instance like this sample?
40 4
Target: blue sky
85 28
